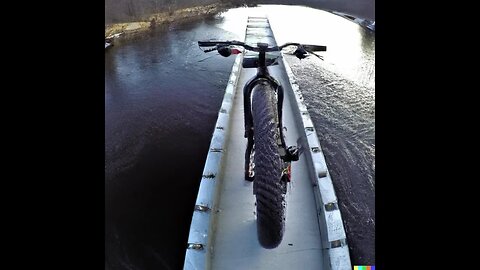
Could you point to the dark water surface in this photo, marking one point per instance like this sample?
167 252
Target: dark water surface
162 96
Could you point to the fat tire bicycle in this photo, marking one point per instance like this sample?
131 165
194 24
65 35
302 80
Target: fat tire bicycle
267 157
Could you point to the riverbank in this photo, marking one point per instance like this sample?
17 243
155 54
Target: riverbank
130 29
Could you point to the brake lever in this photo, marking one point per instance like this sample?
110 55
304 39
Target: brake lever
319 56
209 50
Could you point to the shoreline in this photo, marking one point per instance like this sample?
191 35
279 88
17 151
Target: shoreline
127 30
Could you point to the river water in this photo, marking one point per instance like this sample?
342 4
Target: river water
162 96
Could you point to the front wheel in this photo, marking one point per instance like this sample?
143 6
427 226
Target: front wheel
268 185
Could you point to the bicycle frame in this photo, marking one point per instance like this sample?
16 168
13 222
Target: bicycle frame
287 154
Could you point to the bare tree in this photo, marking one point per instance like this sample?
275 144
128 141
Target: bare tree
129 10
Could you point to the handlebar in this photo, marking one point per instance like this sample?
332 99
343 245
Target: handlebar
260 46
223 48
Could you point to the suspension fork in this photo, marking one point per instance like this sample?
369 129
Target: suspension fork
247 90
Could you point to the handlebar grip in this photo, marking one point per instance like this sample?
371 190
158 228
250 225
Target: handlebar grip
211 43
207 43
315 48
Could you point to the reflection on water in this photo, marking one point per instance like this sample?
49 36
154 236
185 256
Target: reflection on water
350 47
162 95
160 109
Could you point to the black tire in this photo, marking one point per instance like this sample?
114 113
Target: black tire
267 185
